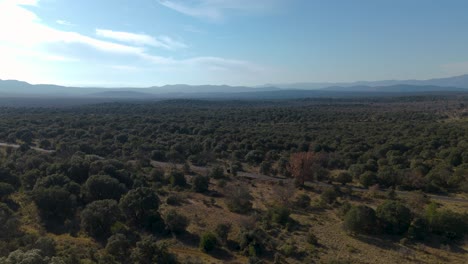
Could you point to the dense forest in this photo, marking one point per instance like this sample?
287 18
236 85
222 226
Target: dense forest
115 182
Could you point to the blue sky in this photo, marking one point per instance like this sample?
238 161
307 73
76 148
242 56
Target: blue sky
235 42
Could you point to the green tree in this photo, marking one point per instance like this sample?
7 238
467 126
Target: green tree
360 219
208 242
395 218
140 206
177 178
101 187
98 217
148 251
176 222
344 178
200 183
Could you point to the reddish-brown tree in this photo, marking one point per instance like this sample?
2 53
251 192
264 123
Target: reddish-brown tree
302 165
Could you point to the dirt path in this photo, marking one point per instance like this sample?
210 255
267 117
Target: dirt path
16 146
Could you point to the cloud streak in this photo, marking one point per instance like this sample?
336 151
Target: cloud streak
141 39
218 9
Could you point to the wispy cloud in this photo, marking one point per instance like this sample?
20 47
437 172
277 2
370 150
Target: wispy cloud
34 51
141 39
64 23
217 9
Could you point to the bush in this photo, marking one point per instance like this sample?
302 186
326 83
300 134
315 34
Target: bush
176 222
368 178
279 215
118 245
177 178
394 217
450 225
101 187
208 242
5 190
312 238
344 178
222 231
157 175
98 217
148 251
54 204
8 223
46 245
217 173
139 206
239 200
174 199
200 184
302 201
329 195
252 242
360 219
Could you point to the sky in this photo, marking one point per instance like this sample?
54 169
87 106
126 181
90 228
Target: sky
117 43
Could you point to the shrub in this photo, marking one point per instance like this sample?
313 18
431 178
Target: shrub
302 201
252 242
312 238
174 200
239 200
451 225
148 251
6 190
217 173
222 231
360 219
157 175
395 218
279 214
200 184
98 217
54 204
368 178
101 187
344 178
329 195
46 245
208 242
177 178
118 245
139 206
176 222
8 223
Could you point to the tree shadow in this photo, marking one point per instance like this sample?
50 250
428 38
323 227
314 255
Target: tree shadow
189 239
383 243
221 254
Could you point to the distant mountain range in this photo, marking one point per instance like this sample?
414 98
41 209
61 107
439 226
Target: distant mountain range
13 88
456 81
